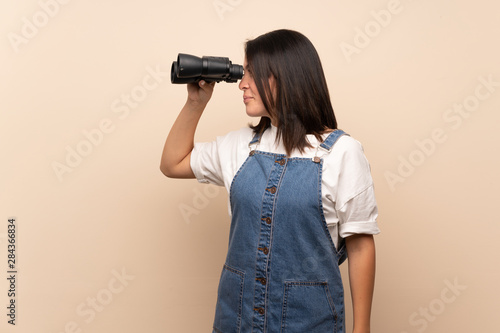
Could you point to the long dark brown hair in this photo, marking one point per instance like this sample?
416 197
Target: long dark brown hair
301 104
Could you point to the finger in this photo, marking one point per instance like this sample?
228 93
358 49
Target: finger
207 86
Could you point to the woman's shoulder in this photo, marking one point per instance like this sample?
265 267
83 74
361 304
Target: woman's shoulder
242 134
234 140
347 150
348 143
345 142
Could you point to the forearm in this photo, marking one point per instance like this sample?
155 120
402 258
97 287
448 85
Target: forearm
180 142
175 160
361 254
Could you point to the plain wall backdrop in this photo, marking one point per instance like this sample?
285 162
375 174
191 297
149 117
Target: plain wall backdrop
106 243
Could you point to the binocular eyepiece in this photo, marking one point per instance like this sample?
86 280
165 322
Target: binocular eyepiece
189 68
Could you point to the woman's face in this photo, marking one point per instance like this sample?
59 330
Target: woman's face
251 98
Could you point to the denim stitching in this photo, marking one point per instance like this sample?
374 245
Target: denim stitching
241 274
268 270
286 290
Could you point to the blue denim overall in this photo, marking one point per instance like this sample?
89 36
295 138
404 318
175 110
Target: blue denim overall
282 269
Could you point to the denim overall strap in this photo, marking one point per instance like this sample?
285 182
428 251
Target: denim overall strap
255 139
331 139
327 146
254 143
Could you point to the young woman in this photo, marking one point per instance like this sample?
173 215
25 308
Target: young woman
301 196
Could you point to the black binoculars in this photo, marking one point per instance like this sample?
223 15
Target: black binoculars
189 68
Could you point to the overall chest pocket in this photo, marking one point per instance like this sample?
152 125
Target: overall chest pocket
229 301
308 307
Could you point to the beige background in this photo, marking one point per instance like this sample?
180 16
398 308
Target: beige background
113 213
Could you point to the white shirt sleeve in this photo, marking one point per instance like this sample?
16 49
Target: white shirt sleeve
350 186
358 215
217 162
205 163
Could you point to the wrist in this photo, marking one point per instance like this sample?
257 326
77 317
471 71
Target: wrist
195 106
361 329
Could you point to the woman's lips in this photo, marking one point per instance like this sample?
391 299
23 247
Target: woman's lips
246 99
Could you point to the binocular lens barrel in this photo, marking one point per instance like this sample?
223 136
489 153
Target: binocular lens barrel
189 68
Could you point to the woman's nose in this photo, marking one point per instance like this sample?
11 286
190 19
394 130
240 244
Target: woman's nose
243 84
